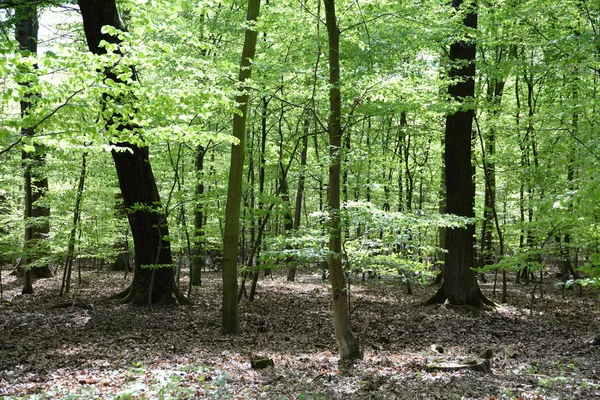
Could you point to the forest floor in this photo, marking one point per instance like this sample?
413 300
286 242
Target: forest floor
116 351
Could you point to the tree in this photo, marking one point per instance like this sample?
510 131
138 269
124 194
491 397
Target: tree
37 216
347 344
460 283
236 169
153 280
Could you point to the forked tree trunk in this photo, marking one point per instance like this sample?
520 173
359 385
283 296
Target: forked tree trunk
347 344
460 284
153 280
66 280
234 189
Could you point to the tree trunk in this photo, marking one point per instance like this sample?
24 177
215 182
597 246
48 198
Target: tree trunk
291 275
347 344
66 281
36 216
199 261
234 189
153 280
441 252
460 284
495 90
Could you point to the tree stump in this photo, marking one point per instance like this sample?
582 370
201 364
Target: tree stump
261 362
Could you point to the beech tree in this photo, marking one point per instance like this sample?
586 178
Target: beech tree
347 343
153 280
537 67
37 224
460 282
236 169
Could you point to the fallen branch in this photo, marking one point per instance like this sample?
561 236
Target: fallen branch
71 303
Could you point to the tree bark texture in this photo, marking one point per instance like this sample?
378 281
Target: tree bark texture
199 261
234 188
460 283
347 344
153 280
36 215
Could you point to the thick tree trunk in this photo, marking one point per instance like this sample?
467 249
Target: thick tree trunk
234 189
153 280
347 344
36 215
460 284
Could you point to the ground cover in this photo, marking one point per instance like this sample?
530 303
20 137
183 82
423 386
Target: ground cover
98 348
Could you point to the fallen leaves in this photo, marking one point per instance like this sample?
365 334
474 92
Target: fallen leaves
110 350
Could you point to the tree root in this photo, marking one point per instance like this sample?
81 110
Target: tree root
174 297
480 300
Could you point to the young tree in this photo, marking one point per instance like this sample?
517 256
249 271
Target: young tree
460 283
153 280
234 189
347 344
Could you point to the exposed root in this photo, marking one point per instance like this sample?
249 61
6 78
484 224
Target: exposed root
121 295
480 300
129 296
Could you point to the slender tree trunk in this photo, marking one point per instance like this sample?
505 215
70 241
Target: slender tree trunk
199 261
522 164
460 284
291 275
234 189
27 278
495 90
344 154
347 344
66 282
153 280
406 139
441 252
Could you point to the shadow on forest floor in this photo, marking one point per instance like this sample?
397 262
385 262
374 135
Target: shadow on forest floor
118 351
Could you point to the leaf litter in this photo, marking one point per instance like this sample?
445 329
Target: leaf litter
110 350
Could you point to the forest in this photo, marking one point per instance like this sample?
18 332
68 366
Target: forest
299 199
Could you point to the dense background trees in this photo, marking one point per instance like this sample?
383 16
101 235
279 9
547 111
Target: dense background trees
533 142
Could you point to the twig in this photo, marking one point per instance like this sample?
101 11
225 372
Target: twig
363 335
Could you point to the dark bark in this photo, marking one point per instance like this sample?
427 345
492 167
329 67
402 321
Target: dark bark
460 284
66 281
199 259
153 280
347 344
36 184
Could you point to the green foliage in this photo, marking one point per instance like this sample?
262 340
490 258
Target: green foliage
391 244
394 100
